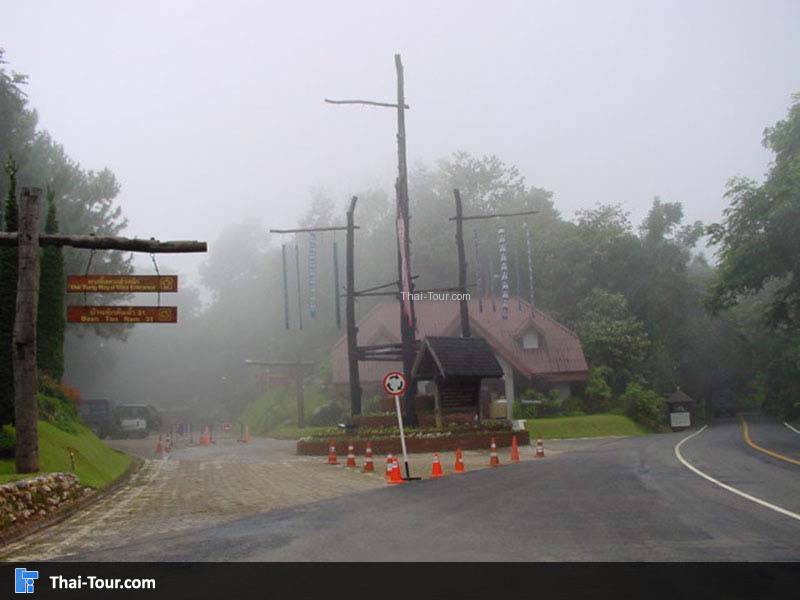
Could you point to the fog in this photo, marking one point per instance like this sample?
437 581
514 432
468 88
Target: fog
209 112
211 116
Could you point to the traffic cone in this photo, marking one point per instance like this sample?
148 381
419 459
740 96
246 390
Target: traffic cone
436 468
332 454
205 437
351 456
369 467
395 476
539 447
159 447
459 468
494 460
389 467
514 449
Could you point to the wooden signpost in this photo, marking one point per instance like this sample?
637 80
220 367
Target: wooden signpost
106 315
27 241
122 284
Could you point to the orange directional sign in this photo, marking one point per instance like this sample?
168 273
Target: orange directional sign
125 284
122 314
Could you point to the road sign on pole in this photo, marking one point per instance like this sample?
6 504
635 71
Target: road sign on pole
395 384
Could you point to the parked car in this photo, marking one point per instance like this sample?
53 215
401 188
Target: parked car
133 420
98 415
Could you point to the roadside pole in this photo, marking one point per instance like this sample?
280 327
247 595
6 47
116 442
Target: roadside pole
395 384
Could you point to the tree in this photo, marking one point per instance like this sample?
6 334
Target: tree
50 330
8 298
759 237
612 336
759 246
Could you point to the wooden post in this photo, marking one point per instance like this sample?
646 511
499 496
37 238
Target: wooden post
350 314
26 410
437 403
301 407
407 335
285 288
462 267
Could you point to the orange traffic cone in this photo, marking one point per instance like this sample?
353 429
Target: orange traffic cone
395 476
514 449
351 456
389 467
205 437
436 468
332 454
494 460
159 447
459 468
369 467
539 447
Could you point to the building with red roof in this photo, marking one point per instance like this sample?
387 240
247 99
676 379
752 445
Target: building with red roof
533 349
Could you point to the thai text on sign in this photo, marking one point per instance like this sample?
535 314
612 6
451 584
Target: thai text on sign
125 284
122 314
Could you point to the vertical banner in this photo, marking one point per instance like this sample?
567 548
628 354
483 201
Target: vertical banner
312 275
405 270
478 269
529 245
502 248
517 279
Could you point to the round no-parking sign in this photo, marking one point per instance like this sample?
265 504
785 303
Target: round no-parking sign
394 383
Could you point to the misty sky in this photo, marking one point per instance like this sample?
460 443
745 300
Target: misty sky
210 112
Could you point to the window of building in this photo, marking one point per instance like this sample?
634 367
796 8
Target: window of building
530 340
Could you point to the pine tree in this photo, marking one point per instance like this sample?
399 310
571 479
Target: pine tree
50 329
8 298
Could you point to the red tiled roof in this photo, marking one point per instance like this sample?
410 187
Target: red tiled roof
559 355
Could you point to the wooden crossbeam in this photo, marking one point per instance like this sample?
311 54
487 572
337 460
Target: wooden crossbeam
494 215
97 242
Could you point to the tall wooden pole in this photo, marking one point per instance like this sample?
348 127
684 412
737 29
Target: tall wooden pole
407 317
462 267
299 293
26 411
350 313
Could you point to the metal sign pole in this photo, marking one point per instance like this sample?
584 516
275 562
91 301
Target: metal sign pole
402 434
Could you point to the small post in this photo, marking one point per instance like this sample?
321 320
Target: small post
462 267
285 287
26 410
350 313
437 404
298 380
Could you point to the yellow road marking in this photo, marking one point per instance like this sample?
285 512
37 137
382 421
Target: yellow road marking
752 444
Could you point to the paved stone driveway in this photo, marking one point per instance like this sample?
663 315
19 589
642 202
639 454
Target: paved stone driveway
201 486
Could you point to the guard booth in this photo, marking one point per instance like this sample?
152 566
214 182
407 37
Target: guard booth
455 366
679 410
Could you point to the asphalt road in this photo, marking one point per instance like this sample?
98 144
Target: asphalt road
615 499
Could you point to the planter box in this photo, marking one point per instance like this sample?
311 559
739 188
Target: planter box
465 440
425 419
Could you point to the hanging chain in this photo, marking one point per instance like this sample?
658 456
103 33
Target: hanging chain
155 265
86 273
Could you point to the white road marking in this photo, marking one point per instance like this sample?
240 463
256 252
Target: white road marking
725 486
792 428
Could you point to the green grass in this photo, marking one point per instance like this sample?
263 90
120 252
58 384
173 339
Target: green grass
96 464
584 426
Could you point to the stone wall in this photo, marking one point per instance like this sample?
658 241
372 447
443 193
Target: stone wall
30 500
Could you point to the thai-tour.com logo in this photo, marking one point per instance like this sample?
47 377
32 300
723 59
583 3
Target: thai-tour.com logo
24 580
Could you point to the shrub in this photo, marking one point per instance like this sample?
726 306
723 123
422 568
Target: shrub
523 411
645 407
58 411
8 441
597 395
572 406
327 414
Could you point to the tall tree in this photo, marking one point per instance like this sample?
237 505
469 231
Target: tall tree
759 255
8 297
50 331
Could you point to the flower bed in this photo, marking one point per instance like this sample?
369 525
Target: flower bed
416 441
425 419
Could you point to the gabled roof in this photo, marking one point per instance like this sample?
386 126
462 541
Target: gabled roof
678 397
455 357
559 355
